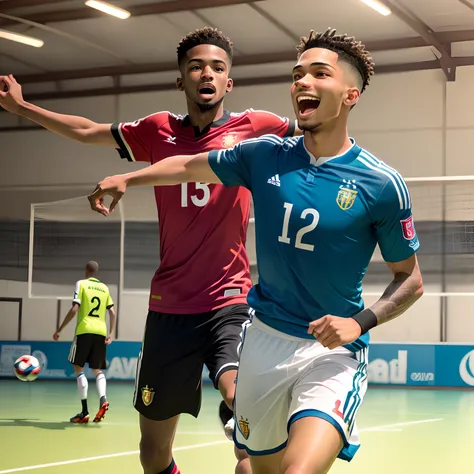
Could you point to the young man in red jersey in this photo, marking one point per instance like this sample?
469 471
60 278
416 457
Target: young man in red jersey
198 294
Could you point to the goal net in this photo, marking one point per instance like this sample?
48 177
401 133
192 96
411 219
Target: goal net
443 210
64 236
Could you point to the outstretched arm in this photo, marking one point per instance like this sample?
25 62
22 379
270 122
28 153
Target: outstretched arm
69 126
174 170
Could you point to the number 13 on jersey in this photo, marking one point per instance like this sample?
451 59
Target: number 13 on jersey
308 213
197 201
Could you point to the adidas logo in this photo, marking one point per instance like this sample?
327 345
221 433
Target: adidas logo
171 140
275 180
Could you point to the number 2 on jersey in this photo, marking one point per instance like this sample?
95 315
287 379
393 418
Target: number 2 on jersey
299 244
95 299
199 202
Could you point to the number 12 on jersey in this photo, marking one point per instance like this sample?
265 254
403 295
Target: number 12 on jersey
313 214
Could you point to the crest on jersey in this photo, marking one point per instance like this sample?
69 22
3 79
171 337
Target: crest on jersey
229 140
147 396
347 194
244 427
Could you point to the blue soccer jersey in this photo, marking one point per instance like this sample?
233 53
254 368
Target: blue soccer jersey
317 224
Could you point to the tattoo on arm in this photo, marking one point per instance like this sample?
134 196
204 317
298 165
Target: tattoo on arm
402 292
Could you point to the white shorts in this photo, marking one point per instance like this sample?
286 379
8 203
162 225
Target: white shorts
283 378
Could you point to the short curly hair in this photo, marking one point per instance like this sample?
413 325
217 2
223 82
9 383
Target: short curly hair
347 47
206 35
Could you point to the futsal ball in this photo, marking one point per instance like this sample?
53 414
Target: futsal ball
27 368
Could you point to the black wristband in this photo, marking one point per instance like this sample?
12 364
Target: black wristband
366 319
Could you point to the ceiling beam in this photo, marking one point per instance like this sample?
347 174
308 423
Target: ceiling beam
278 24
467 4
245 60
446 61
8 5
64 34
464 61
158 8
254 81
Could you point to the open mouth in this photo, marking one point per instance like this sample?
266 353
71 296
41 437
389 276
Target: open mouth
207 90
307 104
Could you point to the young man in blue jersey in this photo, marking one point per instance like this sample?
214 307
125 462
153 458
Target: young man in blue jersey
322 204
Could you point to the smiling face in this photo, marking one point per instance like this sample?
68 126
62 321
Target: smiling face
205 76
323 87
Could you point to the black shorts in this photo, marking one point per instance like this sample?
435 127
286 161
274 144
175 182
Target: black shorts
90 348
174 351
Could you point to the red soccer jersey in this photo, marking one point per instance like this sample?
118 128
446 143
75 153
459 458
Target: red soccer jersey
204 264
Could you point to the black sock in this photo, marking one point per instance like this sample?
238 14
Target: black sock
102 400
169 469
225 413
85 411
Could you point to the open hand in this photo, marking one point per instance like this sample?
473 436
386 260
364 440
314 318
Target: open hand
334 331
114 186
11 96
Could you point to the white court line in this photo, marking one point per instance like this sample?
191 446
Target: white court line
387 430
194 446
408 413
397 425
106 456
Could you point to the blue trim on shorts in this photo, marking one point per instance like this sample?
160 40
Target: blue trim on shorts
265 452
348 451
359 377
354 346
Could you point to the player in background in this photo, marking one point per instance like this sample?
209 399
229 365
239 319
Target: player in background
91 302
198 294
322 204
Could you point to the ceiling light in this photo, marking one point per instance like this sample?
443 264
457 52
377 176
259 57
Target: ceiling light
109 9
377 6
21 38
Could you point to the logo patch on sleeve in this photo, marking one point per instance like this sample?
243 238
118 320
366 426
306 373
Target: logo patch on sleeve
408 228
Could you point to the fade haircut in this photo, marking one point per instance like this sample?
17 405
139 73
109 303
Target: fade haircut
204 35
348 49
92 267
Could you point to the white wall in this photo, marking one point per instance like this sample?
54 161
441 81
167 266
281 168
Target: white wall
414 121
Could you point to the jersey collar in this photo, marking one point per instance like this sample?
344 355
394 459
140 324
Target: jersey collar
94 279
350 155
217 123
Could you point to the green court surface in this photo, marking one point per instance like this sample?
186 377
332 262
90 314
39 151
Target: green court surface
402 431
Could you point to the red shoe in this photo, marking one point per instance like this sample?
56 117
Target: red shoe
101 413
80 418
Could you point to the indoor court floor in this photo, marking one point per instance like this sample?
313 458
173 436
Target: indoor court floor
402 431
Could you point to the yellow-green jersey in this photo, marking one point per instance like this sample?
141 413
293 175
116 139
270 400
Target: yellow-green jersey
93 298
